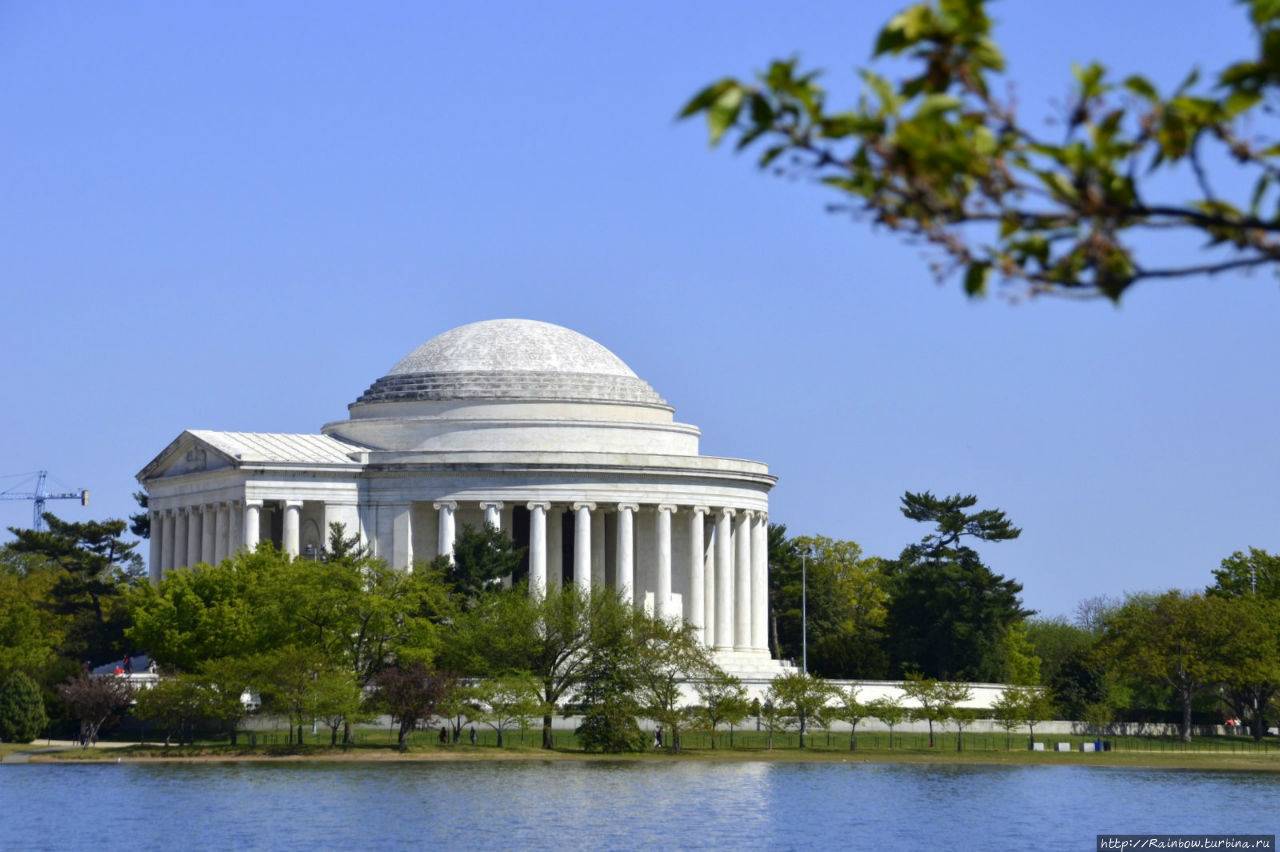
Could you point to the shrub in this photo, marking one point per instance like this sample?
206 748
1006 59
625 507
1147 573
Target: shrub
22 715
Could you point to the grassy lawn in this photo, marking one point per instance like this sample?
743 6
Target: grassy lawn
993 749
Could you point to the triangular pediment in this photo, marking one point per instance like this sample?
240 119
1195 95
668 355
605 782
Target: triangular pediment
187 454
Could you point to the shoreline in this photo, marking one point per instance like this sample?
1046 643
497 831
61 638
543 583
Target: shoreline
133 753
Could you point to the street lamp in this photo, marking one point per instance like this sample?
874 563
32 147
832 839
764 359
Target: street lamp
804 611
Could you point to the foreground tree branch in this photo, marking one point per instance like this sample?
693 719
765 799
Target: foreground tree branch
938 157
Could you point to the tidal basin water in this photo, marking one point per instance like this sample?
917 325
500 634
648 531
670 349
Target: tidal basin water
616 805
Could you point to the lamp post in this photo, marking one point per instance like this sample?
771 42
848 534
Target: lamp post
804 611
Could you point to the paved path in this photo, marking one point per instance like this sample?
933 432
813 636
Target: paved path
54 746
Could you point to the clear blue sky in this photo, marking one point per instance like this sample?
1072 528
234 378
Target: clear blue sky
238 215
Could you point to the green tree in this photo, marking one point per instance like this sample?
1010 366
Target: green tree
22 715
228 679
608 691
1021 664
31 634
948 614
1007 712
140 524
97 569
846 595
1054 641
888 710
722 701
357 612
505 702
1251 681
176 704
1255 573
481 558
941 156
549 636
798 698
1185 643
667 656
936 701
848 708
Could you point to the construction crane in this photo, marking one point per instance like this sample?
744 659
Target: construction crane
39 496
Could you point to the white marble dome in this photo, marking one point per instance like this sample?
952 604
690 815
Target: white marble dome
511 359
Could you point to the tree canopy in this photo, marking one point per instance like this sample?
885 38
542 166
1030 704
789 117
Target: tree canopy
949 616
942 156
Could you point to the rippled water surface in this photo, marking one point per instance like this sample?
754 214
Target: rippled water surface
623 805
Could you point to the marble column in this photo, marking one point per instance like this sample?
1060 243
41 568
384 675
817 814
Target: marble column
156 551
538 548
662 596
724 580
582 546
760 582
208 525
697 552
626 547
597 549
292 527
193 534
709 582
221 532
252 523
742 566
446 526
402 536
180 540
555 548
167 542
235 527
492 513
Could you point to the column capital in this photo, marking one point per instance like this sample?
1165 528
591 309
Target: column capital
725 512
748 513
703 509
293 504
253 504
491 504
537 504
665 507
445 504
628 507
590 507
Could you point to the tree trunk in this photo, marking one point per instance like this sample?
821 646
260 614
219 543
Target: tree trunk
546 731
346 733
1186 694
499 736
403 743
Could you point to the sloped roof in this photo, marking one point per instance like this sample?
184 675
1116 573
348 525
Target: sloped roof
278 448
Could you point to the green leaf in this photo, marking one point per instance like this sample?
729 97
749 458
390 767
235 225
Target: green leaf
1258 191
935 104
705 98
724 112
770 154
975 279
1238 102
1142 87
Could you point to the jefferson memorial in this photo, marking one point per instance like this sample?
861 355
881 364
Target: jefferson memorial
527 426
